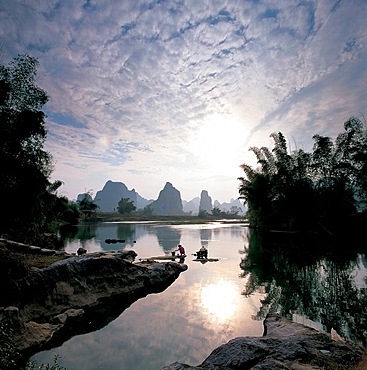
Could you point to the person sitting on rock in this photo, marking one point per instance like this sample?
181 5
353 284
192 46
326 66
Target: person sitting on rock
181 249
202 253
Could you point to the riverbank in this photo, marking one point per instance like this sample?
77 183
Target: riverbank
75 295
184 219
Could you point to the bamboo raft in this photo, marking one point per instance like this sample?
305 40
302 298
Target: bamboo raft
206 259
165 257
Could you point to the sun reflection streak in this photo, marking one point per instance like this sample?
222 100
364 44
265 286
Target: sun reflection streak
219 299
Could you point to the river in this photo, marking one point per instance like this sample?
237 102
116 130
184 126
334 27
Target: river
318 283
204 308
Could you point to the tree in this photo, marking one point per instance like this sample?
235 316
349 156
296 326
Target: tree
298 190
126 206
68 212
29 196
235 210
203 213
87 206
216 212
148 210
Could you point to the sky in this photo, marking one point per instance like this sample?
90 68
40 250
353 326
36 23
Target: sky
149 92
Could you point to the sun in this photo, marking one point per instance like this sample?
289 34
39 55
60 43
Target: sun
218 140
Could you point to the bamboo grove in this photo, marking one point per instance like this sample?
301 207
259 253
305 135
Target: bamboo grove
308 191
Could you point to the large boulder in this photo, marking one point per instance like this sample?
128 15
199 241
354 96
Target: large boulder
285 345
77 295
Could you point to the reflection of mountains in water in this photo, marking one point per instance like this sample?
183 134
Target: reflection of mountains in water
168 238
121 231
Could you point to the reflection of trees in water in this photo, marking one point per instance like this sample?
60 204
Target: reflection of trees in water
168 237
84 233
125 232
307 278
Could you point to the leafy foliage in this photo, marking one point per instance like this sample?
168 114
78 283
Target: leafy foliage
31 204
87 204
33 365
148 210
298 190
203 213
126 206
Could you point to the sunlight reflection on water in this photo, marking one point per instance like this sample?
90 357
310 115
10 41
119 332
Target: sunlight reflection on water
201 310
220 299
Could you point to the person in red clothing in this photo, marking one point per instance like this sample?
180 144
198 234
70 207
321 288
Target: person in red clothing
181 249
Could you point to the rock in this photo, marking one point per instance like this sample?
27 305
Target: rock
285 345
78 295
233 204
191 207
81 251
108 198
169 202
205 202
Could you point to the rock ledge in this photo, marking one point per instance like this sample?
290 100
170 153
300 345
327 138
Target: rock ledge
285 345
77 295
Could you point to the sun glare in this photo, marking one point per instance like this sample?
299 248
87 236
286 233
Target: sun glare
220 299
219 140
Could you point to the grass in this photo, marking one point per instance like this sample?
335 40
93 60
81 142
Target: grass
38 260
15 264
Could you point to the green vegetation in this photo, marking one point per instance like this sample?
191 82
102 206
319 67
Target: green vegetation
308 191
87 206
148 210
31 204
217 213
33 365
125 206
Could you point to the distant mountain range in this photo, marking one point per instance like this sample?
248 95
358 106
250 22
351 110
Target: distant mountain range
169 201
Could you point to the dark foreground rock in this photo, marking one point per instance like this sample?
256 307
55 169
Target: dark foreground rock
285 345
73 296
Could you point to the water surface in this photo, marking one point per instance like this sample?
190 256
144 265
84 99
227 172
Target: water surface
201 310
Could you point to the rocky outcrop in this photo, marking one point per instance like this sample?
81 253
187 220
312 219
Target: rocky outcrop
285 345
234 204
78 295
169 202
191 207
108 198
205 202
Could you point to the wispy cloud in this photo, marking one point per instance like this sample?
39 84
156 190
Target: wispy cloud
132 83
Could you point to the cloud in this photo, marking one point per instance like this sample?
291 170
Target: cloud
132 82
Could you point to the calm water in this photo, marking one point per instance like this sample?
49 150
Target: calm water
319 284
201 310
